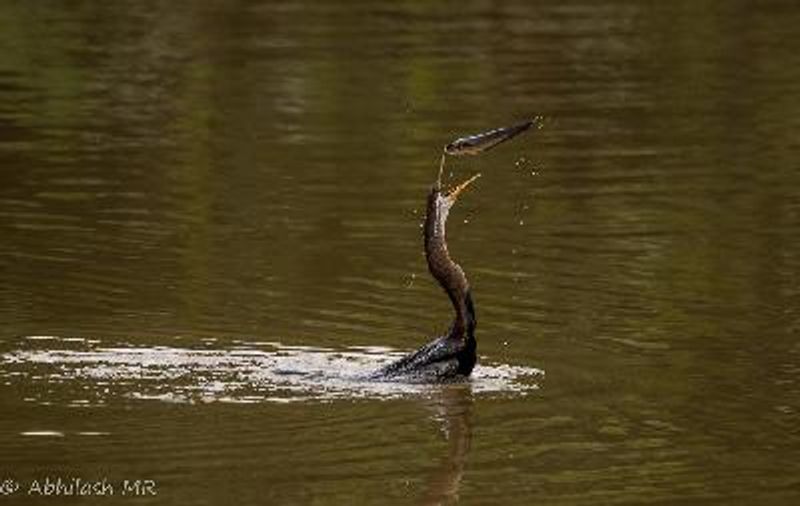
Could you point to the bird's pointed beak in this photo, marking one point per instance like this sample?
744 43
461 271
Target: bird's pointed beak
453 193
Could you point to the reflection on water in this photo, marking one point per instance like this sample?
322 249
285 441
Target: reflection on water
248 373
452 407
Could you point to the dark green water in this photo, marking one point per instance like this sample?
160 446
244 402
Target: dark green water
209 223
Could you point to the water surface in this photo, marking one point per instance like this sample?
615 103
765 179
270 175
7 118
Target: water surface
204 209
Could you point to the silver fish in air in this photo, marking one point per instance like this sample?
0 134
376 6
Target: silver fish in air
474 144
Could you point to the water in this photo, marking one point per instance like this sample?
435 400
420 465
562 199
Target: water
210 227
247 373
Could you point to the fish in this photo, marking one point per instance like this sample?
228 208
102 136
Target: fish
475 144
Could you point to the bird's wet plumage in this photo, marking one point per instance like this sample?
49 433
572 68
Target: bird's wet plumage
452 355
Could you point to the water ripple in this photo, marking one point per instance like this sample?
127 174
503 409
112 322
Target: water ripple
84 374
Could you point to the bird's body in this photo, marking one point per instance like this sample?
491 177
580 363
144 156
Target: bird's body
452 355
444 358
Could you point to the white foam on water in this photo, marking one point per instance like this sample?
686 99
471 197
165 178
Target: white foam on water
269 373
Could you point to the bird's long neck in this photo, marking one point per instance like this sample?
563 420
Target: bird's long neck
448 273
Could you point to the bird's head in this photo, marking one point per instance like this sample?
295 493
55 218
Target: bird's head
440 200
450 195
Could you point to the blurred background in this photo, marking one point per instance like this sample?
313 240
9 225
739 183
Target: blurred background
207 174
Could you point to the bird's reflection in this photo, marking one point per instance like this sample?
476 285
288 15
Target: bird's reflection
452 408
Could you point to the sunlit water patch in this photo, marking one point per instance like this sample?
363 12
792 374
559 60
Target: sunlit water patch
87 374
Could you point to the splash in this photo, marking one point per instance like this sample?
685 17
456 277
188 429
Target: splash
86 373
